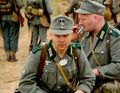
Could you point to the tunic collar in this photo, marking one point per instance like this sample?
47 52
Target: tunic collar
52 54
102 33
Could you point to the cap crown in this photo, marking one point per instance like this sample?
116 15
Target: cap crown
61 25
91 7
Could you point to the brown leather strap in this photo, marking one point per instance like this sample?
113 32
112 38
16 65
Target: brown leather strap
77 66
75 57
108 45
42 62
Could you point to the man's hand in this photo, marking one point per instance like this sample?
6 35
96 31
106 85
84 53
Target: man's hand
75 34
96 72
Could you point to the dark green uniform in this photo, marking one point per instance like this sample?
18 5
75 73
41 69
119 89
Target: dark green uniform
51 75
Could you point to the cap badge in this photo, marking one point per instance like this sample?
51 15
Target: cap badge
62 22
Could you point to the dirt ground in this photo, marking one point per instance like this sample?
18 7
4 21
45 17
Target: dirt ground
10 72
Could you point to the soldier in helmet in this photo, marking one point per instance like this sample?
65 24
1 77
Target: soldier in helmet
59 51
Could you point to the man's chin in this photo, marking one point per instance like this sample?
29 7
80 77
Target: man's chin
62 48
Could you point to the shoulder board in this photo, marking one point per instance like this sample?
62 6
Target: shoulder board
76 45
115 32
35 49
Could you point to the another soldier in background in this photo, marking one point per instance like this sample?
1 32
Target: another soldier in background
75 4
102 46
112 8
10 20
38 14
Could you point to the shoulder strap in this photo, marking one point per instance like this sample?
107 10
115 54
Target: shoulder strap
76 62
75 57
70 86
93 53
42 62
108 45
108 48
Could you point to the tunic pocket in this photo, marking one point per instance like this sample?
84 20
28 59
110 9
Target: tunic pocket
49 75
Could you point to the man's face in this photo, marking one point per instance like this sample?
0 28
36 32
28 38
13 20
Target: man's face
61 42
87 21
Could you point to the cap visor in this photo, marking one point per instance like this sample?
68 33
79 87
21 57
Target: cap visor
61 32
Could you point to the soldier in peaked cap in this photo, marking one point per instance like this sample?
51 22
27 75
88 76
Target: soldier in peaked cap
101 45
59 49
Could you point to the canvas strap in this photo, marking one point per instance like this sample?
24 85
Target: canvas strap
92 50
70 86
42 62
108 48
65 78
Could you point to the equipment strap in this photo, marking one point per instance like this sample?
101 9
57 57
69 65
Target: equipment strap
92 50
70 86
108 48
42 62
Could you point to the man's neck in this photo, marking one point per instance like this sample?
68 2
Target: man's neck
98 29
60 53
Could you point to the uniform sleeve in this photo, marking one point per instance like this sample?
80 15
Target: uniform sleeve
112 70
48 6
27 83
87 78
115 6
20 3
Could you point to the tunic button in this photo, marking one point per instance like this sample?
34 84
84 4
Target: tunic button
46 70
58 87
102 51
60 77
